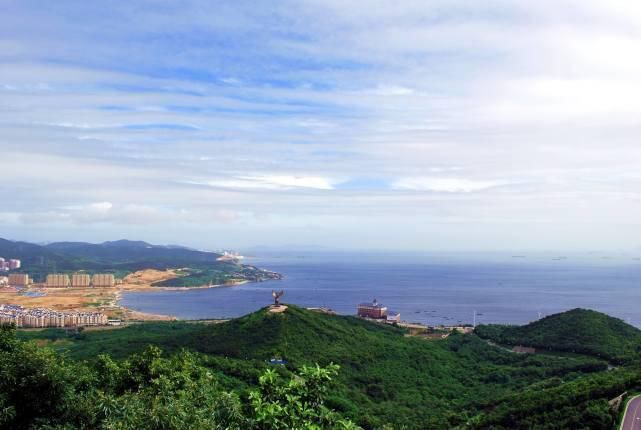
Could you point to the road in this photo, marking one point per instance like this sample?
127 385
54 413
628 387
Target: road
632 417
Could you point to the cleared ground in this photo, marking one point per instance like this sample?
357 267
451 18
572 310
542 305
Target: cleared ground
98 299
148 277
89 299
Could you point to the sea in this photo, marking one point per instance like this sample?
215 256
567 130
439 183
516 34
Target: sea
434 289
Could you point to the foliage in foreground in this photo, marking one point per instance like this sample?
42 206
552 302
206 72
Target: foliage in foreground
40 390
384 378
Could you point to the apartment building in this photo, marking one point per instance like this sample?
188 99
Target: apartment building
18 279
58 281
103 280
80 280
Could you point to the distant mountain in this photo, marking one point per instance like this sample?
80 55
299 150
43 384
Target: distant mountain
128 251
579 330
120 255
32 255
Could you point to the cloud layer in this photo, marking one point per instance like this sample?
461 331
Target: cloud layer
421 125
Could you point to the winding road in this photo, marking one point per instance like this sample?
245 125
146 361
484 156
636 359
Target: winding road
632 417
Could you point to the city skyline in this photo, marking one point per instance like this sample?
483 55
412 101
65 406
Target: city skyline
416 125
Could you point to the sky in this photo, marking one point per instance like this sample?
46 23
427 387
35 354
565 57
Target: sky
407 125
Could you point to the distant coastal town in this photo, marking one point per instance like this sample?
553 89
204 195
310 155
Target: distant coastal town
62 280
40 317
75 284
75 298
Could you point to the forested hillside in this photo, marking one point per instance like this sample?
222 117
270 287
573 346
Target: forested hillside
579 330
384 377
42 390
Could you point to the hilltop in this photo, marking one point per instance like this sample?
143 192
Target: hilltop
578 330
385 376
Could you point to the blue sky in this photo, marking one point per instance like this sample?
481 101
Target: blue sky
418 125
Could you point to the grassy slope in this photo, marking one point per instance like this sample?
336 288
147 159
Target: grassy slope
385 376
578 330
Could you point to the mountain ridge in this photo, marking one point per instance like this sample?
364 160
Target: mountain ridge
124 256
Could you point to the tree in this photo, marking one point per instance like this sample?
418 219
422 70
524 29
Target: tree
297 403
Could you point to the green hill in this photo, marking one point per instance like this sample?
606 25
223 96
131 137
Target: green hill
385 376
579 331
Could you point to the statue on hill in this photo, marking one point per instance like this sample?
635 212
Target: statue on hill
277 295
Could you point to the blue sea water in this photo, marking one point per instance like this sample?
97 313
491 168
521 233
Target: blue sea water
432 289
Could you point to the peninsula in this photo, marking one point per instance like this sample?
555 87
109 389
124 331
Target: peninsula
86 277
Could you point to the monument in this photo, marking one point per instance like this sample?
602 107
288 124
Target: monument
277 295
277 307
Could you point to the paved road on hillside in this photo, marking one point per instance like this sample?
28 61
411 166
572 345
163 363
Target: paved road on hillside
632 418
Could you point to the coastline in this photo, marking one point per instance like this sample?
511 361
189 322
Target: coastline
134 315
106 300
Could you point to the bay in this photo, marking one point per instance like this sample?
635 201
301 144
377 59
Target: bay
424 288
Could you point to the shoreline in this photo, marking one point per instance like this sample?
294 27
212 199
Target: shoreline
104 299
135 315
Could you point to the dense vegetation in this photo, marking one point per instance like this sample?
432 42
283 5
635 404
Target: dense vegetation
579 331
556 404
385 377
124 256
40 390
220 273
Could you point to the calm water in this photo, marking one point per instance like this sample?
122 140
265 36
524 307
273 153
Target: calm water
428 289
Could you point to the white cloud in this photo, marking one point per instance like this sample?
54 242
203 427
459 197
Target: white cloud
231 81
456 100
101 206
444 185
390 90
272 182
82 126
105 213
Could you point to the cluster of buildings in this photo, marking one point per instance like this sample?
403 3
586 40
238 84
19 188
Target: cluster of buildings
18 280
11 264
80 280
376 311
55 280
41 317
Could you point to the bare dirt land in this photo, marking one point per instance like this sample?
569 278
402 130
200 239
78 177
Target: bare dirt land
62 299
86 299
148 277
99 299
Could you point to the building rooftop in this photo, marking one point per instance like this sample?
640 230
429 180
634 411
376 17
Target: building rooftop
373 304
